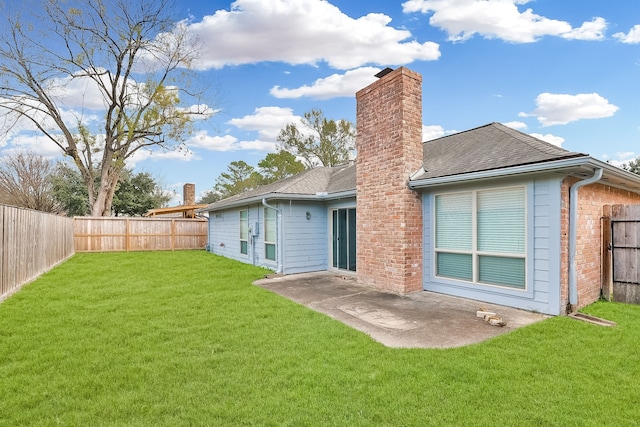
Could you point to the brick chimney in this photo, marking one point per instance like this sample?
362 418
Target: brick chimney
389 214
189 194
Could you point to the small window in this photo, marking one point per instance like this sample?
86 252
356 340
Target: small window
270 234
244 232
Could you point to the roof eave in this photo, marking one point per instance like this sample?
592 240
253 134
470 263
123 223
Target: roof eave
259 198
340 195
551 166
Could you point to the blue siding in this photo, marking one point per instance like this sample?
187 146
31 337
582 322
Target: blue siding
543 254
303 244
224 235
305 240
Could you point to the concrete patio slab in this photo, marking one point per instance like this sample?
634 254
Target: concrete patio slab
416 320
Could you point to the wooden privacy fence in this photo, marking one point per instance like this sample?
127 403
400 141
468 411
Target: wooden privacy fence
105 234
31 243
621 253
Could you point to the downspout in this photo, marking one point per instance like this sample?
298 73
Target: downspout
573 231
279 242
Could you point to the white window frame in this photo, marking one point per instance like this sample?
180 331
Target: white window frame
244 222
474 252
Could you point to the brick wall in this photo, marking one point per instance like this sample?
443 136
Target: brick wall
389 215
189 194
591 199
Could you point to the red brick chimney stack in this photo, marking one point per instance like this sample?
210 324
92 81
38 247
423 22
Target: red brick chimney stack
389 150
189 194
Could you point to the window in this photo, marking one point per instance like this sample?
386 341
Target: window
270 234
244 232
480 236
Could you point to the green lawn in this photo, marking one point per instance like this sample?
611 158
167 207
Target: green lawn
183 338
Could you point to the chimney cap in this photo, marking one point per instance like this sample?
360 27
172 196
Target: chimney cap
384 72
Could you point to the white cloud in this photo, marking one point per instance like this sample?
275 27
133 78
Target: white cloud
432 132
304 32
40 145
560 109
267 121
621 158
78 91
632 37
500 19
212 143
516 125
142 155
551 139
593 30
336 85
258 145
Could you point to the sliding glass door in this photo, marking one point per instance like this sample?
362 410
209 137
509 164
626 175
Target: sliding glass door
344 239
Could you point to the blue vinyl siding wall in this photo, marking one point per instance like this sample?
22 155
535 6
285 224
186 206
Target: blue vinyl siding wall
224 236
305 240
543 252
304 245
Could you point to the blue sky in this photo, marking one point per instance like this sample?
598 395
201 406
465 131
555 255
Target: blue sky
566 71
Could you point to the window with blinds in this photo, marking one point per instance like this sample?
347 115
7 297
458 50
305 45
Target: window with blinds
270 234
480 236
244 232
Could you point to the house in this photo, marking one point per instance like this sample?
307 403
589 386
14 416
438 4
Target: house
186 210
490 213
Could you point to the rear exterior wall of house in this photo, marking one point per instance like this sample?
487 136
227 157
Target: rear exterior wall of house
300 241
591 199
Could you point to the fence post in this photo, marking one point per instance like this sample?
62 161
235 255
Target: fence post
173 234
606 264
127 235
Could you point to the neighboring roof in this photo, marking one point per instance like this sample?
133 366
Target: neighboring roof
317 183
492 146
184 211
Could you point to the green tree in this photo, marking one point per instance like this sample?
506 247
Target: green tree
319 141
25 181
210 196
70 190
135 194
632 166
280 165
133 57
239 177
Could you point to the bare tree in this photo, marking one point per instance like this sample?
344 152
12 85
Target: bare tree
129 57
25 181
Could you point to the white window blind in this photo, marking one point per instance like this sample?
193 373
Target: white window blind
454 214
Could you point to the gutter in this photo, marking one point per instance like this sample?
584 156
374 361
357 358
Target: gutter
278 196
556 165
279 237
573 231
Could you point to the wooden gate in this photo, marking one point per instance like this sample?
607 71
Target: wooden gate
621 263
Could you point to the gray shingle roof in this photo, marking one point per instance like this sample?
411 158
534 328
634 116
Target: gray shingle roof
492 146
308 183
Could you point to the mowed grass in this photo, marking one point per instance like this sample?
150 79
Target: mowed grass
184 338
